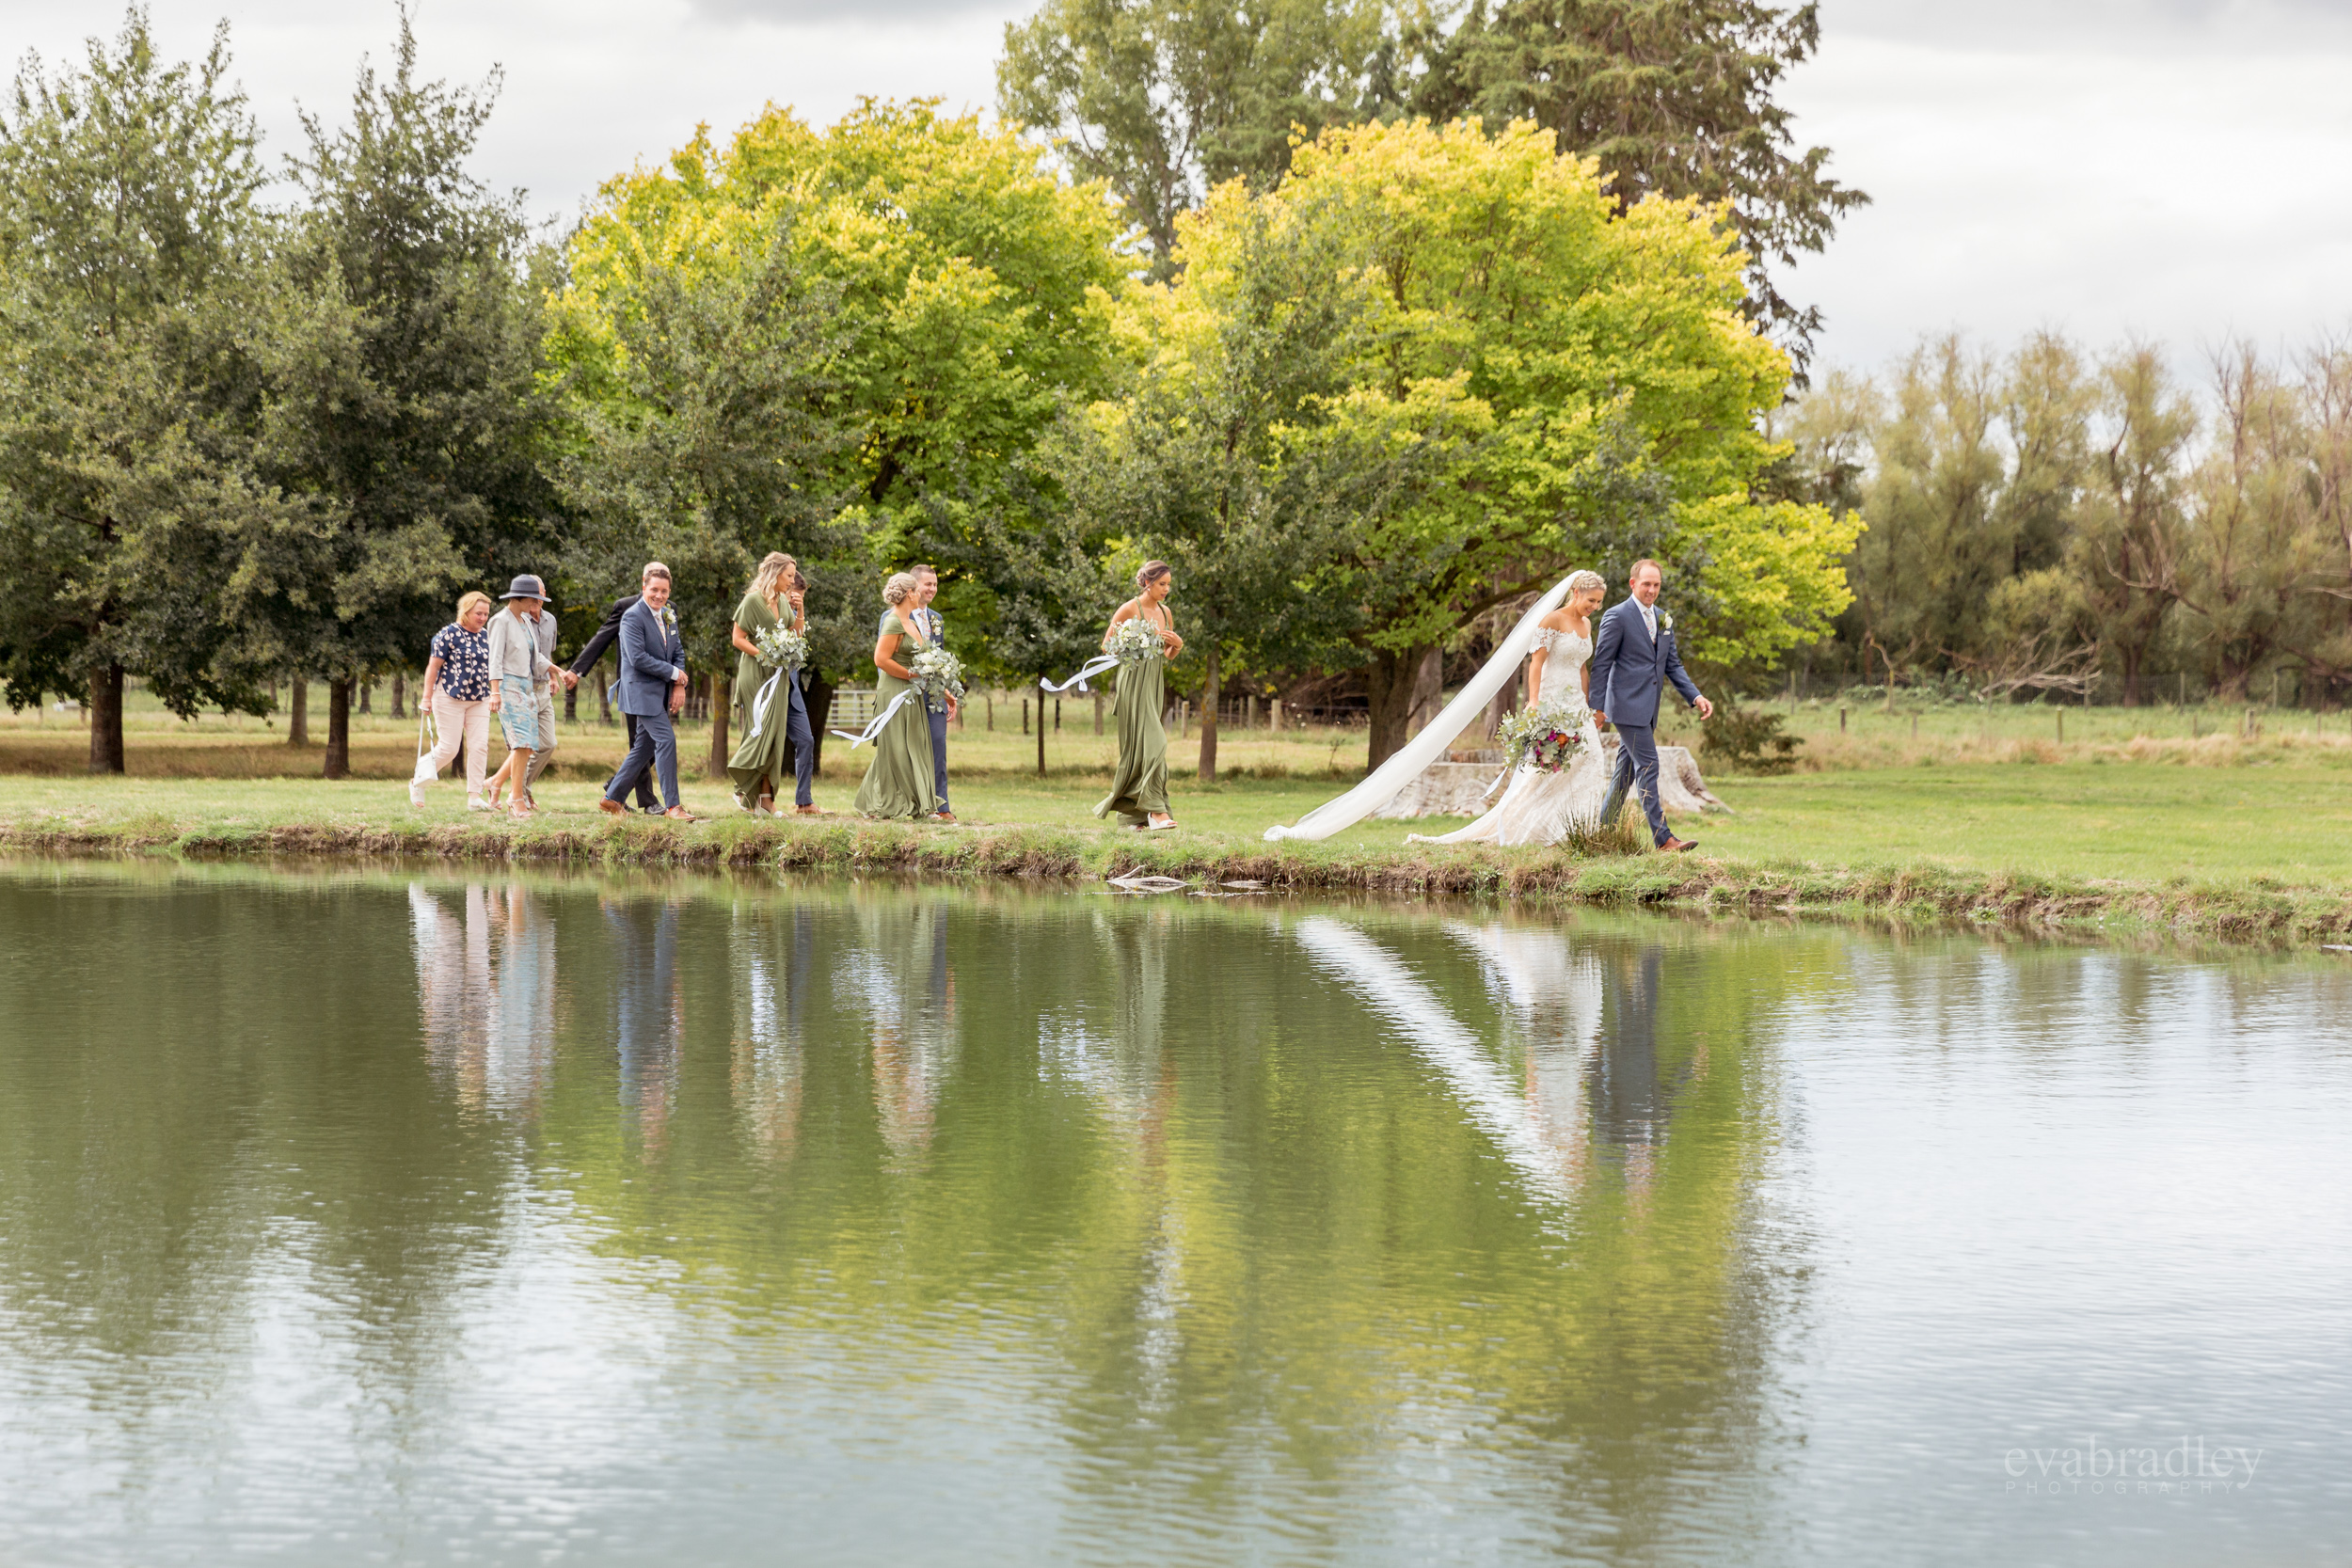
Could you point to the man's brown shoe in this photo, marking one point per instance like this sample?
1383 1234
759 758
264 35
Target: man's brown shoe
610 807
942 816
806 811
681 814
1678 845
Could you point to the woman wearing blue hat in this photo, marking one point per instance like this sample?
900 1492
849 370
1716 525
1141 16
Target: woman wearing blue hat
521 664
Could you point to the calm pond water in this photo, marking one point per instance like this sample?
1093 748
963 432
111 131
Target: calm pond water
378 1217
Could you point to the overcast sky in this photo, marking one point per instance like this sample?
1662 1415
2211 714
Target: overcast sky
2180 170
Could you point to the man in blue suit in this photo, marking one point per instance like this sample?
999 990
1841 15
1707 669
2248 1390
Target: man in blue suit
652 687
1634 658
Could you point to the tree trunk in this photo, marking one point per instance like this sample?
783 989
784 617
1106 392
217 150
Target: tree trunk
1428 690
571 704
1388 680
299 714
2131 658
604 695
1506 700
1208 719
400 694
720 750
367 697
105 719
338 728
816 696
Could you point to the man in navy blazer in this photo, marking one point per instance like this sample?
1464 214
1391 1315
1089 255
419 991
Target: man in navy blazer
608 633
1634 658
652 687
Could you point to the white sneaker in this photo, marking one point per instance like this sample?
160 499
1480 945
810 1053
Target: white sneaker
416 795
475 803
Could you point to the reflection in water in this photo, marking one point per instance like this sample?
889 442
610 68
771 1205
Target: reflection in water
899 974
772 949
650 1010
1526 1131
486 987
947 1224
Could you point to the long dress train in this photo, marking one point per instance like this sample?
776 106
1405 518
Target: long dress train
1140 785
898 780
1539 807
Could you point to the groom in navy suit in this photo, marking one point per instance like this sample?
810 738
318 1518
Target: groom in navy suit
1634 658
652 687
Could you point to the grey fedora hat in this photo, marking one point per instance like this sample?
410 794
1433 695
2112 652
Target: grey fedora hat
526 586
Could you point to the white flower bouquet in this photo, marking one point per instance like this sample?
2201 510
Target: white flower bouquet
782 648
1134 640
1548 735
938 675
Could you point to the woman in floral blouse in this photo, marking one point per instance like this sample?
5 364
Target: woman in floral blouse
457 689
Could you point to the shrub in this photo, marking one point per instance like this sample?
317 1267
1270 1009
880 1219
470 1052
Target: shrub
1748 740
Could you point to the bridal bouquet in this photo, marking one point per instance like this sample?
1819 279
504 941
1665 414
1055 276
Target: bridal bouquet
1548 737
938 675
1134 640
782 648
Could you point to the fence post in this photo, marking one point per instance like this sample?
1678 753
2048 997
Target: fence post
1098 713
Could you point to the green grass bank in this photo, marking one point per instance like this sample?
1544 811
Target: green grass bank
1795 847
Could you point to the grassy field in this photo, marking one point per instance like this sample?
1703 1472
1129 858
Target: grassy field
1991 808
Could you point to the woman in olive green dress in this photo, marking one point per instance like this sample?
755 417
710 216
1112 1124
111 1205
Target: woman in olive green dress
898 780
1139 788
757 767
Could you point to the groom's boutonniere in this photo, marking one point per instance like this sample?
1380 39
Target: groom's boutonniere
1666 621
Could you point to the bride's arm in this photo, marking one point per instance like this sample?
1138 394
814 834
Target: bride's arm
1535 676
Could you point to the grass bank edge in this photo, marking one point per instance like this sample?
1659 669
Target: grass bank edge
2259 909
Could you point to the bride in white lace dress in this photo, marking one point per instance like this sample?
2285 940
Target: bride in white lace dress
1539 807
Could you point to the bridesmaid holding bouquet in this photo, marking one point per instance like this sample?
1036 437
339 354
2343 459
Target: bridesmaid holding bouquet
898 780
1142 635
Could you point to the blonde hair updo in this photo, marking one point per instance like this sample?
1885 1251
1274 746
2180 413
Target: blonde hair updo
1585 581
898 589
767 582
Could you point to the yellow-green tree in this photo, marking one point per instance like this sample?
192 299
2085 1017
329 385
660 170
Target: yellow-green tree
966 282
1621 388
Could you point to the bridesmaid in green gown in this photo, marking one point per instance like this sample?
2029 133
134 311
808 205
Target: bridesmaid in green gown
757 768
1139 788
898 780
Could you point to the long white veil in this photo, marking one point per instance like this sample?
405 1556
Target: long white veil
1382 783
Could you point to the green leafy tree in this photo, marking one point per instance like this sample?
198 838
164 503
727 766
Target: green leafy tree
969 282
2129 532
408 400
1163 102
705 436
1619 390
128 247
1239 455
1674 98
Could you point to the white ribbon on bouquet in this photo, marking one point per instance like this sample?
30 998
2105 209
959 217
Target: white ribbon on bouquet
1094 667
882 721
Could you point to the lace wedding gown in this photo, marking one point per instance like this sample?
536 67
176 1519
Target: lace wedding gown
1539 807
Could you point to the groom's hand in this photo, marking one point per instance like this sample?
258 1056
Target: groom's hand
1599 717
1706 709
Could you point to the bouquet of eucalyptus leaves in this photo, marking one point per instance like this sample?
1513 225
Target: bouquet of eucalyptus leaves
1134 640
781 647
938 675
1548 735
